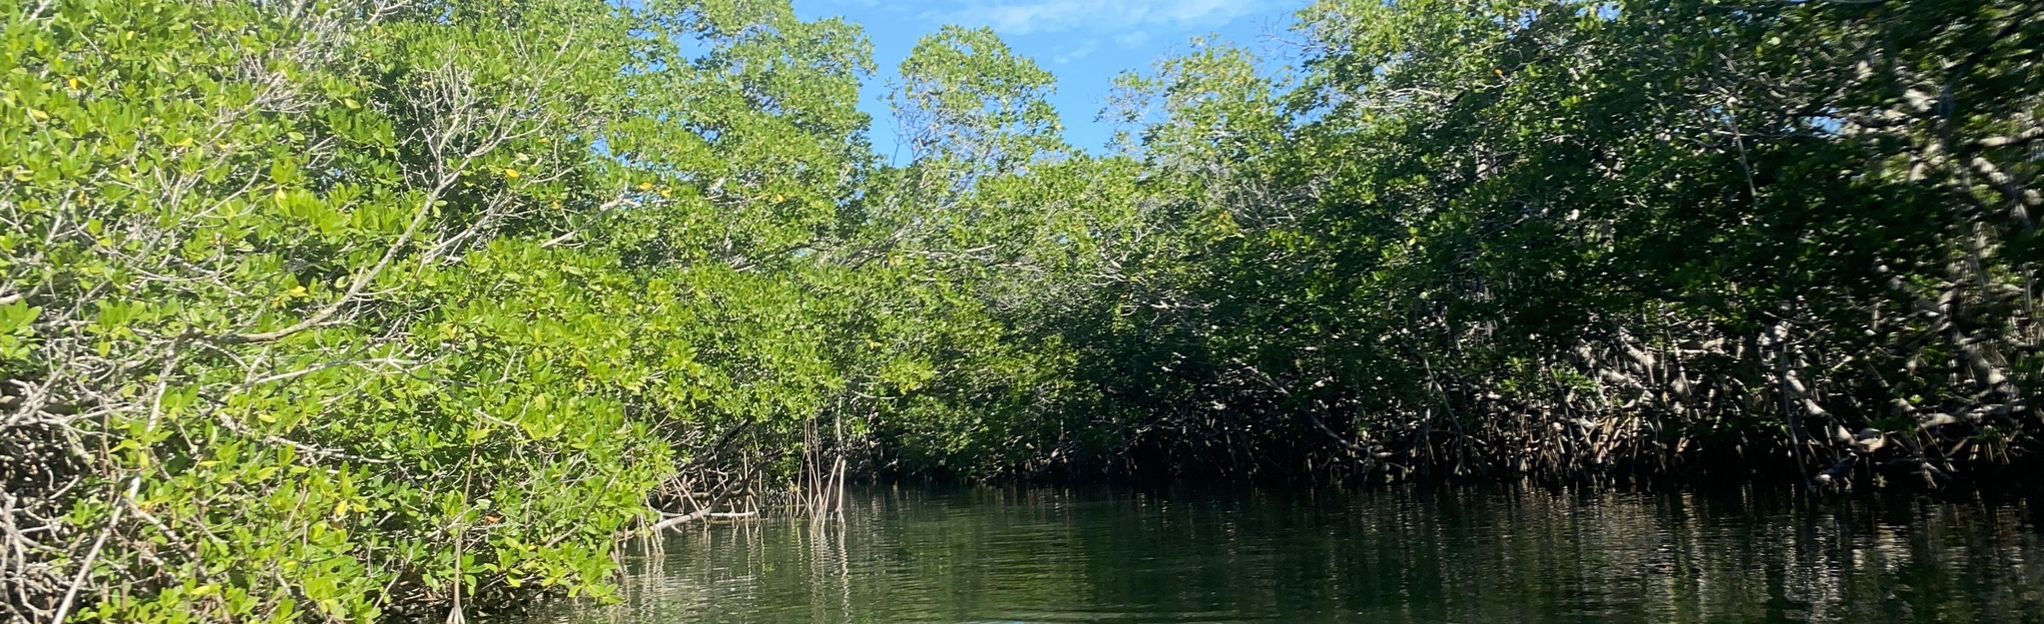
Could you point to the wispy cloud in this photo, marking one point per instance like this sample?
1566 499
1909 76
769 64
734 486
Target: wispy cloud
1024 17
862 6
1072 54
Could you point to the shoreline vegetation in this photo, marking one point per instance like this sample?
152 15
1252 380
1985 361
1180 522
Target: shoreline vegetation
361 310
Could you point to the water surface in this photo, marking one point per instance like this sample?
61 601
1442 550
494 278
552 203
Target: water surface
1514 556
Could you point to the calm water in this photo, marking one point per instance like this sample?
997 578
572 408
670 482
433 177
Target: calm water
1453 556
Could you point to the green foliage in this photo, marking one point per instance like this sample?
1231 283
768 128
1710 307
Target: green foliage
1529 237
330 312
353 310
973 103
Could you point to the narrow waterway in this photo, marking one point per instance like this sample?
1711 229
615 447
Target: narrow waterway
1473 556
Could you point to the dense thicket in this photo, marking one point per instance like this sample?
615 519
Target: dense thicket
353 309
1617 239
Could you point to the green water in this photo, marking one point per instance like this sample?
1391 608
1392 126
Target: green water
1456 556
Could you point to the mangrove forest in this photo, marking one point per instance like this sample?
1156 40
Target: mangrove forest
385 310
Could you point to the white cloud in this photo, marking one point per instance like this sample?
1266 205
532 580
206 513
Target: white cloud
1132 38
1023 17
1084 50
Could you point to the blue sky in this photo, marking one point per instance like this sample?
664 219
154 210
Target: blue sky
1085 42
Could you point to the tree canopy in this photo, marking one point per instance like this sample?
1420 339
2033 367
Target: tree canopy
351 310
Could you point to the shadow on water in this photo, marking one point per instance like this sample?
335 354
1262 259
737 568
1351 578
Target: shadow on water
1458 555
